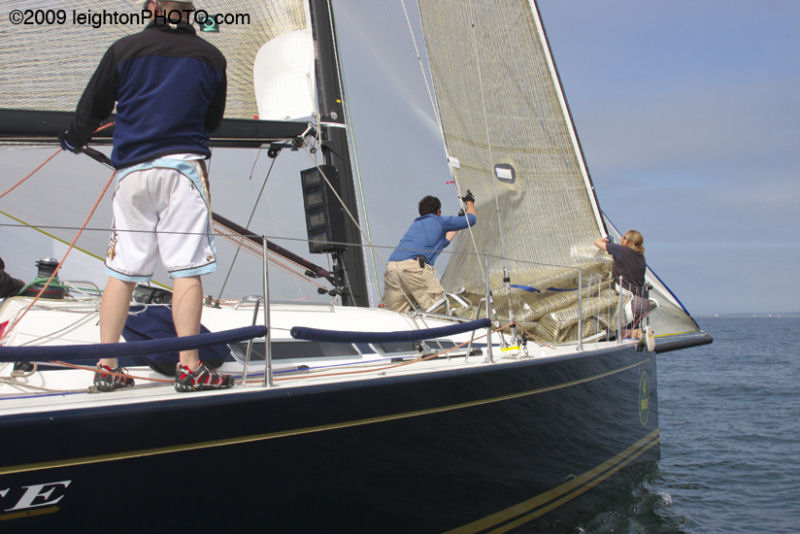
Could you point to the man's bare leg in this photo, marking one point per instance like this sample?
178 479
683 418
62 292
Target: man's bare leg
113 313
187 308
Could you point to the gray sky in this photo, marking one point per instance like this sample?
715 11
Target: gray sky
687 112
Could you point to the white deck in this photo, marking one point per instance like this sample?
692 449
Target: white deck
71 322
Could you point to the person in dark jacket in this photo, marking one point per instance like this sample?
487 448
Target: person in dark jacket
169 87
629 268
9 286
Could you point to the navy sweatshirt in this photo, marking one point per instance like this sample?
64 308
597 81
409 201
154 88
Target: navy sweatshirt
169 86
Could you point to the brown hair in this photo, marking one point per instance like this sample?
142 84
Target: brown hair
635 241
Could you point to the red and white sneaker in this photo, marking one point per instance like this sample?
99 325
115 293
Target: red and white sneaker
203 378
108 379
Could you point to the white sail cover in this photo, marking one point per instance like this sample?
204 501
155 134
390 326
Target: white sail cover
284 77
506 123
45 66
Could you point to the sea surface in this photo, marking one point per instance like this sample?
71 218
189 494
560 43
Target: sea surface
730 437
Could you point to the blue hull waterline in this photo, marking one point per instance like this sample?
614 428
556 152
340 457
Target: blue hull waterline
520 444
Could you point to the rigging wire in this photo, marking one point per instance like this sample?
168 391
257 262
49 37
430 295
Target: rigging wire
34 171
440 124
347 211
351 134
424 73
352 145
5 333
344 206
232 235
336 194
250 219
64 257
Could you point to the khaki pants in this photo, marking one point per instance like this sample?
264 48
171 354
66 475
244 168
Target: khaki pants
406 278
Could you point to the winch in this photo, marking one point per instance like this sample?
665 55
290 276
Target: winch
45 268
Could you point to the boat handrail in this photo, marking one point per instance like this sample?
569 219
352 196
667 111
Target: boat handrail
344 336
133 348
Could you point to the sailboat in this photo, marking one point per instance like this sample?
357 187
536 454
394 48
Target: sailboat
514 403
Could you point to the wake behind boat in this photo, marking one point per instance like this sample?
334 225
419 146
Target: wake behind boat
516 402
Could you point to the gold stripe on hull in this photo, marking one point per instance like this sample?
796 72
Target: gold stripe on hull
536 507
142 453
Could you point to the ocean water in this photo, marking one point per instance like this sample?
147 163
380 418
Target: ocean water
730 437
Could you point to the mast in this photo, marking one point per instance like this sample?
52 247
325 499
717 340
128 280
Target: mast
349 262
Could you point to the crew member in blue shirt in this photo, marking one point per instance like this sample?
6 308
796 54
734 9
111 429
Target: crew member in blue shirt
410 280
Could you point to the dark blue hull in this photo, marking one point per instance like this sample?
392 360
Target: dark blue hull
522 444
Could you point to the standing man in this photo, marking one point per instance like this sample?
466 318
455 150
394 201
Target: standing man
169 86
410 278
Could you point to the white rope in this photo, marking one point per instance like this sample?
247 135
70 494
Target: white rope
356 167
366 235
440 125
428 84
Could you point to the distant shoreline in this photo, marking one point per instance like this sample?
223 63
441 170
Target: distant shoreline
772 315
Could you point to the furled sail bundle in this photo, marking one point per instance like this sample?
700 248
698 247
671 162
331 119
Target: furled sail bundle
511 140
